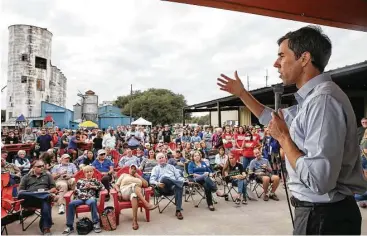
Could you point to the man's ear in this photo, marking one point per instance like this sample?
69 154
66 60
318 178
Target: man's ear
306 58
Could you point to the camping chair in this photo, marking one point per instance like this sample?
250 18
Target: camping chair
10 207
255 183
85 208
120 205
190 190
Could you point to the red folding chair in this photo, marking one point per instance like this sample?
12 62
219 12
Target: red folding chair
85 208
120 205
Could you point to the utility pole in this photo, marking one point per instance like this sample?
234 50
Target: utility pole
131 107
248 83
266 78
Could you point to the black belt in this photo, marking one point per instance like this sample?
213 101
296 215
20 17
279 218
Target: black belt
298 203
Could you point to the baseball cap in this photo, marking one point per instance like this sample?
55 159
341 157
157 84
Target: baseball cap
65 156
101 151
131 165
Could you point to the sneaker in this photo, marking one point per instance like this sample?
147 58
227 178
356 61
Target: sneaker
61 209
273 196
68 231
97 228
266 197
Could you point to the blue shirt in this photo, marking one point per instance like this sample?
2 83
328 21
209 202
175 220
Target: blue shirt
127 161
200 170
72 143
44 141
60 168
195 139
165 170
323 126
104 166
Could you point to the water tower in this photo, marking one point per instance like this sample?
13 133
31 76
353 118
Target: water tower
90 106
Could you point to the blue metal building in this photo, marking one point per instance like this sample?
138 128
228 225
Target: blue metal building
111 116
63 117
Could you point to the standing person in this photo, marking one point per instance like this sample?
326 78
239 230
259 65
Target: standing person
166 134
109 140
97 141
64 142
248 151
360 130
44 141
322 161
133 138
227 137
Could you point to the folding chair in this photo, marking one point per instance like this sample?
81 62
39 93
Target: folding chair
159 196
192 188
256 183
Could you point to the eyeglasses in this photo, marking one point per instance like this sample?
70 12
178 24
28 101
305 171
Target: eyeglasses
40 166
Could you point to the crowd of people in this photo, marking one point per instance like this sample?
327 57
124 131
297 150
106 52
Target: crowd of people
169 157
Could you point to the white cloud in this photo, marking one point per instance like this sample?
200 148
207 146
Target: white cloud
108 45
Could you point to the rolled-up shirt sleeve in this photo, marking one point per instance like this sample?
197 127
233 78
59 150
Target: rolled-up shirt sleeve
325 132
265 116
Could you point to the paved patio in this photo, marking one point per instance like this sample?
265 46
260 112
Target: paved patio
258 217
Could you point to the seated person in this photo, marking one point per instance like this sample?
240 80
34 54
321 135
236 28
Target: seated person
22 162
49 159
63 174
86 192
80 159
129 159
234 173
200 173
37 188
262 170
13 170
220 159
168 180
140 154
87 160
105 166
178 161
148 164
129 188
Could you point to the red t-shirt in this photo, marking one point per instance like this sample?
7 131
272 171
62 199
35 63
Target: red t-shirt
239 139
249 151
256 137
229 138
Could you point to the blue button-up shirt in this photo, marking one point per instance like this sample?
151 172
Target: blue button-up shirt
323 126
166 170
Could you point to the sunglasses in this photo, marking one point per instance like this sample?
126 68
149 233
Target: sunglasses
40 166
102 154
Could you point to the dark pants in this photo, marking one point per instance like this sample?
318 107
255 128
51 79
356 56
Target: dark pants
106 181
209 187
40 200
340 218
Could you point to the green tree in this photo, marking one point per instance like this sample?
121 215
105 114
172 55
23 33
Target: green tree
159 106
200 120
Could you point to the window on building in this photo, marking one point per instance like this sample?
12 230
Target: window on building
41 63
40 84
25 57
23 79
10 99
10 114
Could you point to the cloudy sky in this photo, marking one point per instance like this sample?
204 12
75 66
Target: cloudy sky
107 45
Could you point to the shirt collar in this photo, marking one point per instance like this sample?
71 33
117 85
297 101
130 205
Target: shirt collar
302 93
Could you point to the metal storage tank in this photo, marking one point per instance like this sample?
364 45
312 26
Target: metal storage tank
29 70
64 89
90 106
53 85
77 108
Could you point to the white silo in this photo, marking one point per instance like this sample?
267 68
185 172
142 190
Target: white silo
64 89
53 85
29 70
90 106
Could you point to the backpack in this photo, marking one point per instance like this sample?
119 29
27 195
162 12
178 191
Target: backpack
108 219
84 226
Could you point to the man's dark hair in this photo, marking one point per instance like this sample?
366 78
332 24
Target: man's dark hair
310 39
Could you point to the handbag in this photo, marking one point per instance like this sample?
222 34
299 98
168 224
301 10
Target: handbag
84 226
108 219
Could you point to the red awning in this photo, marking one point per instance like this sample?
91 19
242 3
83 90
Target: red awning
351 14
48 118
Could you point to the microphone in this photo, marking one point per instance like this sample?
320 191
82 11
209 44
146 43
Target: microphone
278 91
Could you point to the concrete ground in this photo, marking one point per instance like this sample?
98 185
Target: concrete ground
258 217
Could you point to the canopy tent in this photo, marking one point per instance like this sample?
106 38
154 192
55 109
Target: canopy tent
335 13
48 119
21 119
88 124
141 121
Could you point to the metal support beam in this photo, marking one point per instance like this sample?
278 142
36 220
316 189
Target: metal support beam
233 108
239 116
219 115
210 118
183 116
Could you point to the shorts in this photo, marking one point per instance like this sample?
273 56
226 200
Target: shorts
260 180
275 158
128 192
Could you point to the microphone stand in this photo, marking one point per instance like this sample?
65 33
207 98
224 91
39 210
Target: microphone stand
278 91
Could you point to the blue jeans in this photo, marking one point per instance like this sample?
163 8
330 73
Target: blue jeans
362 197
364 163
173 185
146 177
241 184
92 203
209 187
39 200
246 161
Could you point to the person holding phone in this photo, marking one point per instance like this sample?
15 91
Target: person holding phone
133 138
